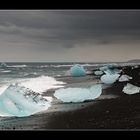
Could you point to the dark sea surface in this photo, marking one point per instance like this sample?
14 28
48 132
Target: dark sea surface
11 72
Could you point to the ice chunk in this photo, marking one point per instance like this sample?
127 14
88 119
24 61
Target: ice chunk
3 65
78 94
20 101
98 72
131 89
103 68
77 70
109 78
110 70
124 78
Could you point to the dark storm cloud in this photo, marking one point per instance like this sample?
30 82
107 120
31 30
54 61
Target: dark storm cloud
69 25
46 31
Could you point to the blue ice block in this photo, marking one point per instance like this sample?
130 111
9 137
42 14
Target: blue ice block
77 70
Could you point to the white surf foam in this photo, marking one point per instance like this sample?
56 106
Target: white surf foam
42 83
38 84
17 66
5 71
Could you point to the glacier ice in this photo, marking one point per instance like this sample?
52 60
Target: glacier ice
20 101
131 89
98 72
104 68
109 69
78 94
124 78
77 70
109 78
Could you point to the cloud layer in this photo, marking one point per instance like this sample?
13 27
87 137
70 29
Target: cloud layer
52 35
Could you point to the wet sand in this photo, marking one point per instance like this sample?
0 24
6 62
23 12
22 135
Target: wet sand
112 110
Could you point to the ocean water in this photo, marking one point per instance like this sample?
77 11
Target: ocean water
37 76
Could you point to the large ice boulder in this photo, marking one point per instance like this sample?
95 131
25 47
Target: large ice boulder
131 89
77 70
20 101
109 78
78 94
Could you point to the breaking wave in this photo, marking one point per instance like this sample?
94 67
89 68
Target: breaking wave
38 84
17 66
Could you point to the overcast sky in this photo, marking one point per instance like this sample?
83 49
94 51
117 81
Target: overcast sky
90 36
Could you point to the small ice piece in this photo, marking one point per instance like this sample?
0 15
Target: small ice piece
131 89
77 70
136 66
124 78
98 72
109 78
78 94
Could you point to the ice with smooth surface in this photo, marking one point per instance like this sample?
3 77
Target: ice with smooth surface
98 72
78 94
131 89
77 70
109 78
20 101
124 78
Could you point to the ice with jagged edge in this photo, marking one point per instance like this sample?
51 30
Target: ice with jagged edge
124 78
131 89
109 78
19 101
78 94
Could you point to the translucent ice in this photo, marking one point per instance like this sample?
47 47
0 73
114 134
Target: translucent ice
103 68
78 94
110 69
131 89
77 70
109 78
20 101
124 78
98 72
